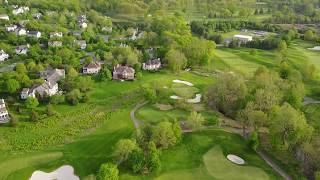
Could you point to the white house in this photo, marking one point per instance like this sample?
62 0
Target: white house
20 10
37 15
56 34
3 55
242 38
21 32
92 68
55 43
48 88
4 115
82 21
23 49
27 92
152 65
81 43
35 34
11 28
4 17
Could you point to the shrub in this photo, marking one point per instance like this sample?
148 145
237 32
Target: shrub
108 171
34 116
57 99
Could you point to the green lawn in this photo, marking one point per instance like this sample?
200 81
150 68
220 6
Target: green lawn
189 159
220 167
85 134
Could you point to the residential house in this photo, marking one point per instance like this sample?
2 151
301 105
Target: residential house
56 34
27 92
136 35
3 55
20 10
4 115
82 21
92 68
48 88
37 15
11 28
53 75
21 32
4 17
23 49
35 34
243 39
81 43
55 43
152 65
121 72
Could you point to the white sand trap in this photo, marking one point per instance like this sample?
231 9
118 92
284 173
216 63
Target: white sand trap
175 97
197 99
235 159
183 82
316 48
65 172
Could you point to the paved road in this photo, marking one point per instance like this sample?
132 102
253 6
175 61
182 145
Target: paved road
262 154
136 121
308 100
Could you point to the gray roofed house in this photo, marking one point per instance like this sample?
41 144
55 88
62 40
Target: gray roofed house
152 65
55 43
53 75
81 43
23 49
92 68
121 72
35 34
28 92
4 115
3 55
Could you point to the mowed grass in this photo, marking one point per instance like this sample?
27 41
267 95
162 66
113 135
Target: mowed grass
184 91
30 161
220 167
86 149
185 160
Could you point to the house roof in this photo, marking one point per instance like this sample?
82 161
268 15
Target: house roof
153 62
53 75
124 69
33 32
93 65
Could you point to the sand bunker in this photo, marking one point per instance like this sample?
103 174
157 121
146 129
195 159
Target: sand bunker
316 48
65 172
175 97
183 82
235 159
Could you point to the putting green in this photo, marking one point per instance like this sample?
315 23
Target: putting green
220 167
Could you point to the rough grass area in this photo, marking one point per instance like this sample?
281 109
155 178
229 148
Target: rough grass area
220 167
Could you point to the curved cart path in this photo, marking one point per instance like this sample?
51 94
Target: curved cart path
262 154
